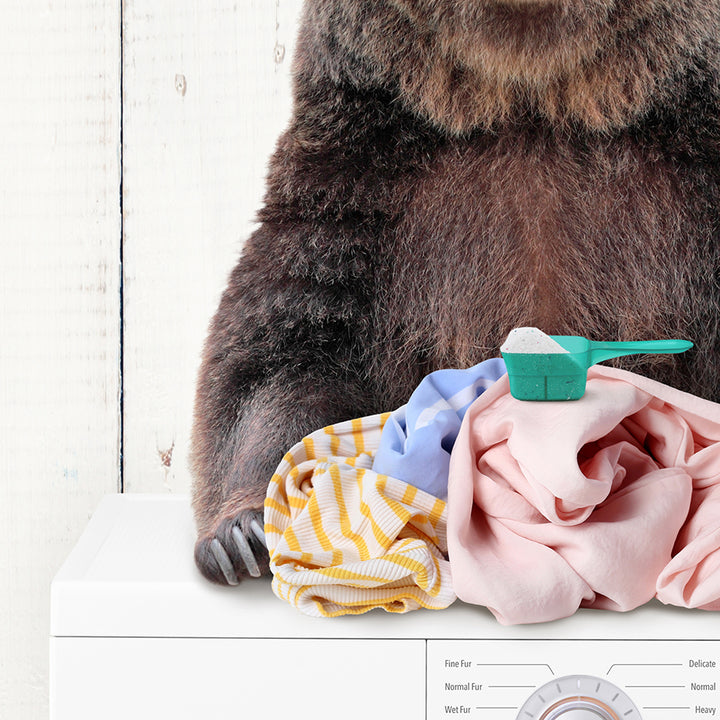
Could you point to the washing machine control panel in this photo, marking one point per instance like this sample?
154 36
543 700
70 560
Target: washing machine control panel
573 679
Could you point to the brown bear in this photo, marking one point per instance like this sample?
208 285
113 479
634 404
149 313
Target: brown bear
454 169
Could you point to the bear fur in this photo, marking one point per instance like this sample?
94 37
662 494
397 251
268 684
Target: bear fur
454 169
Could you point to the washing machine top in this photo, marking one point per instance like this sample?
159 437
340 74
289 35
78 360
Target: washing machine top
132 575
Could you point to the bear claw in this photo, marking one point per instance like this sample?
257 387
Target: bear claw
258 532
246 552
223 561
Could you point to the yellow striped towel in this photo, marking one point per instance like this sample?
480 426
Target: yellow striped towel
344 539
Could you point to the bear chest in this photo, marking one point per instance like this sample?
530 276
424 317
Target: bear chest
514 232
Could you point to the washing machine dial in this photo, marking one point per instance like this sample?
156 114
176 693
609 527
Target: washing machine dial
579 697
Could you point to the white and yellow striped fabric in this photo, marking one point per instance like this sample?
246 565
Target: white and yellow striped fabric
344 539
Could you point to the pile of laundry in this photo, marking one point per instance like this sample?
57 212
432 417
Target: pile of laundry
531 509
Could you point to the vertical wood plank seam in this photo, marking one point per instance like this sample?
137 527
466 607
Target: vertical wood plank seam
121 289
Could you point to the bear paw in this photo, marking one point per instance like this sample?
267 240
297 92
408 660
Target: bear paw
236 549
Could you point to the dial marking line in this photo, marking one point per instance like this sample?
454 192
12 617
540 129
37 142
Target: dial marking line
516 665
618 665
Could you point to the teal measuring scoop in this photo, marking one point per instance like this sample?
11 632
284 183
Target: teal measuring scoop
562 376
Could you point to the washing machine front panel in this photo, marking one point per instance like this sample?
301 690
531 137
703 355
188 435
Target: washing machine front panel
589 678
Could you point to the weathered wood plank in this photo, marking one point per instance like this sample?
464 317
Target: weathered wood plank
59 300
206 95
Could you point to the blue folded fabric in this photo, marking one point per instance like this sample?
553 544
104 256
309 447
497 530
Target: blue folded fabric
418 437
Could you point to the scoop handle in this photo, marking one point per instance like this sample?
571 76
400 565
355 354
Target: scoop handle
600 351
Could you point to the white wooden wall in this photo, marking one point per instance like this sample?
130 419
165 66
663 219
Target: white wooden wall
205 93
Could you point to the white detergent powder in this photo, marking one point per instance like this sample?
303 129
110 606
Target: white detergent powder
530 340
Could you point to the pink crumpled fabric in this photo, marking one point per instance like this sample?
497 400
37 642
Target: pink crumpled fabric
604 502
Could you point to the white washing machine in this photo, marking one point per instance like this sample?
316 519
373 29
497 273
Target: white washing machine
137 633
